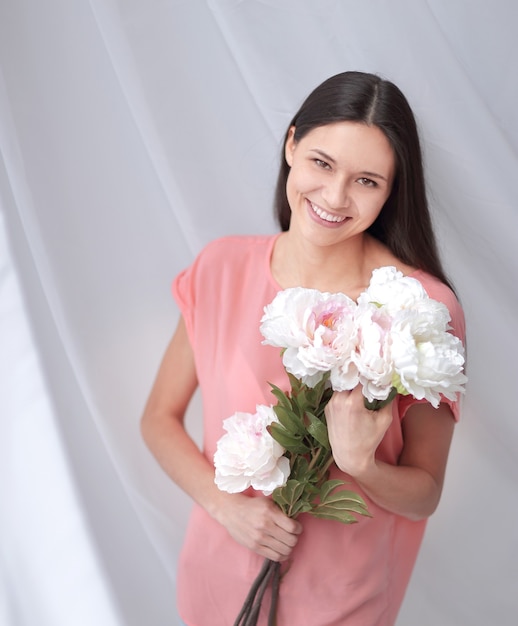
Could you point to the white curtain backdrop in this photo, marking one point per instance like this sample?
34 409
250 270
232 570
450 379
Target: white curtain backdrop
132 132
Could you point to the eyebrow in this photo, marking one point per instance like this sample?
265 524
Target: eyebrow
329 158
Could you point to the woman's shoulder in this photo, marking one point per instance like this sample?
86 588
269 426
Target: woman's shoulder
232 259
223 267
435 287
379 255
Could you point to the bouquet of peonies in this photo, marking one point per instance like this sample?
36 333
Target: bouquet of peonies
395 339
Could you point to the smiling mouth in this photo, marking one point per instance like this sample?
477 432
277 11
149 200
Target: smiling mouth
327 217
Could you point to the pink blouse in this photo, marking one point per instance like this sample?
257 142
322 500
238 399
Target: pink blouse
353 575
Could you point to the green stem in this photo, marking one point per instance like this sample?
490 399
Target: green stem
324 469
276 581
259 583
314 458
376 405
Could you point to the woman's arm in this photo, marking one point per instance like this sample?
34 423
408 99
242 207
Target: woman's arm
253 522
411 488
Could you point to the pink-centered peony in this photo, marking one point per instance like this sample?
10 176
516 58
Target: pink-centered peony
248 456
314 328
396 336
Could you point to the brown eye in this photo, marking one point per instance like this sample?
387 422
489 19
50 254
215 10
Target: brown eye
367 182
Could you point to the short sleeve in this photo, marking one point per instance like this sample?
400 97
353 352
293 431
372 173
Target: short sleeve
184 293
440 292
198 289
193 284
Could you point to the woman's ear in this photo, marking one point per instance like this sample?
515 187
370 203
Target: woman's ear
289 146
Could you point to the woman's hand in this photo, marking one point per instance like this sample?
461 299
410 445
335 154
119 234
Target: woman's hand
256 523
354 431
412 487
259 525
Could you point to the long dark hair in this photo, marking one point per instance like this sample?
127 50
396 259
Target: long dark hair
404 224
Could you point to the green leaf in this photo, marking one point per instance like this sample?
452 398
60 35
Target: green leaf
301 472
281 396
302 506
311 489
328 487
300 465
338 516
302 399
289 494
318 430
291 443
344 498
295 384
289 420
340 506
279 498
300 468
320 394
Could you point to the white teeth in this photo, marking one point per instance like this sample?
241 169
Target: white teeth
326 216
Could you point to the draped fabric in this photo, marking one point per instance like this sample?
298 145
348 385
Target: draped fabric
133 132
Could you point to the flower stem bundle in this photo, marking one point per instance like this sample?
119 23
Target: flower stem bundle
269 575
302 431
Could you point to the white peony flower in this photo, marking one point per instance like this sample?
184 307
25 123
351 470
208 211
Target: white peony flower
373 354
426 366
390 289
248 456
344 374
396 336
428 318
312 327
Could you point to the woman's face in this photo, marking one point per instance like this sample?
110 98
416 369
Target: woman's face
341 175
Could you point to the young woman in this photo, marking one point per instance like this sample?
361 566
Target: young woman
350 198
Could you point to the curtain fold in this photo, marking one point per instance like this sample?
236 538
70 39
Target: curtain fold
131 134
50 571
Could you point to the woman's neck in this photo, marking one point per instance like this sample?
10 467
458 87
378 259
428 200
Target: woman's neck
346 267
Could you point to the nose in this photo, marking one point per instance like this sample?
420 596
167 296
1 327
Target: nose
336 193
